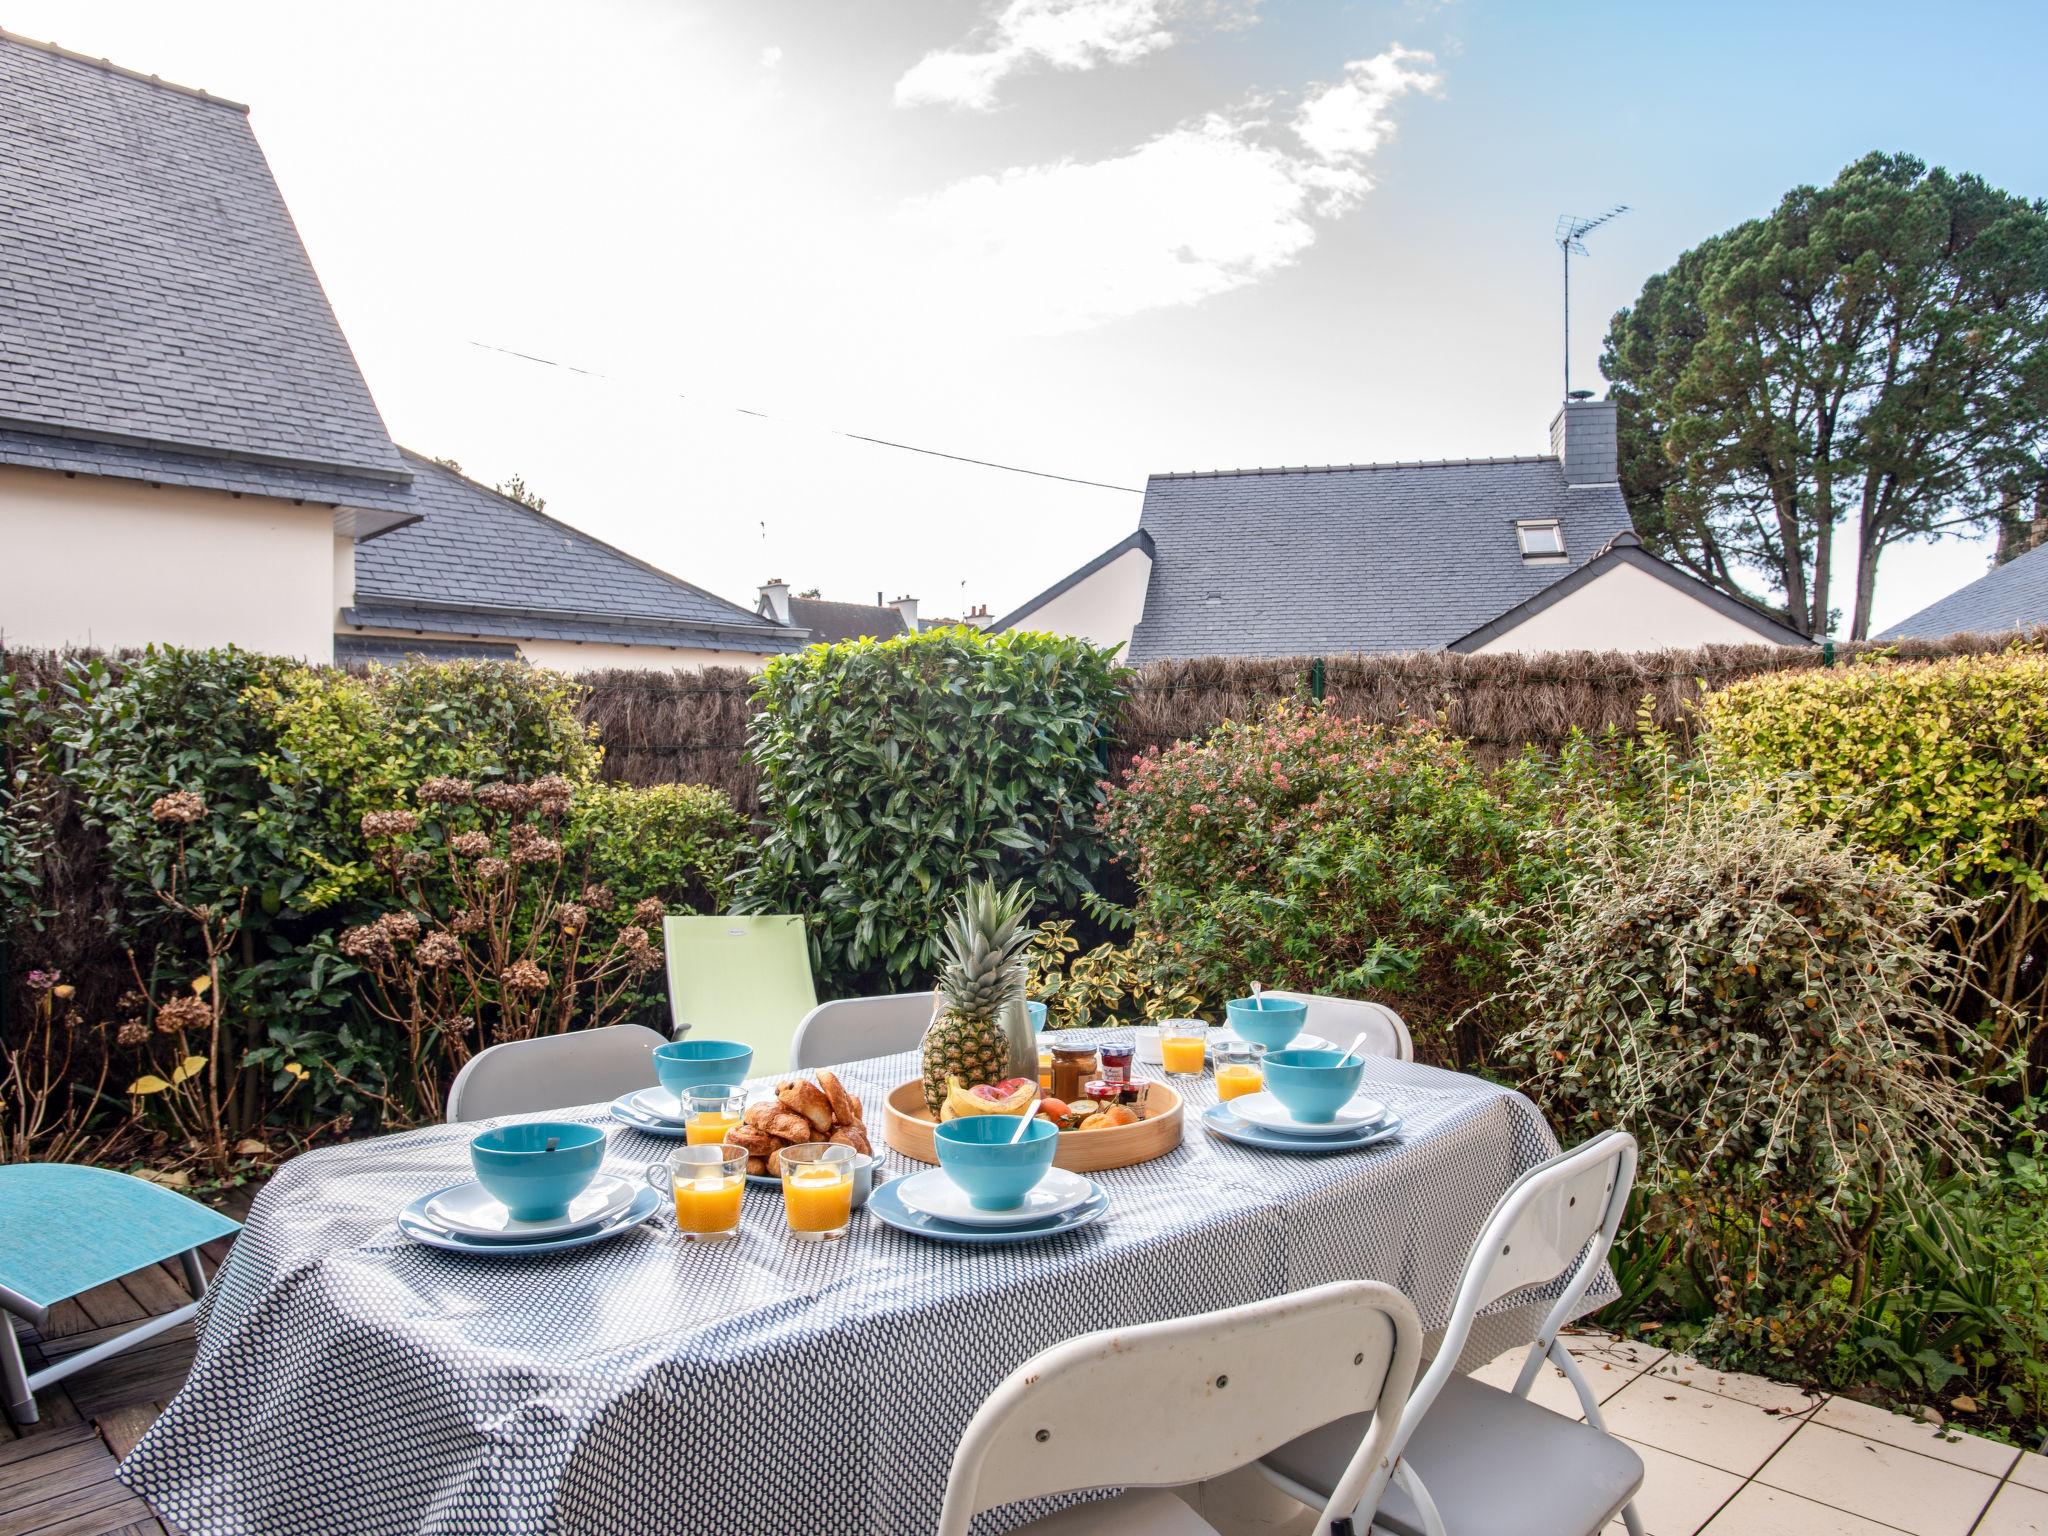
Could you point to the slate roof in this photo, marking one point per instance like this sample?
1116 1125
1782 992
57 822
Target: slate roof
830 622
1353 557
478 563
2011 596
161 319
390 651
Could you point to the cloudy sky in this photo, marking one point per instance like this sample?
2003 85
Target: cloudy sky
1091 237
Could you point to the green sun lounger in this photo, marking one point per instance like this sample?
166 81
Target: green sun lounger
65 1229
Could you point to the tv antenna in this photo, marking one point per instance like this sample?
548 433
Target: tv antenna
1570 227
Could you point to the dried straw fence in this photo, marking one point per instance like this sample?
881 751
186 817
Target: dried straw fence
691 726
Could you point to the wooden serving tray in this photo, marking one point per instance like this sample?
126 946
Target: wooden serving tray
907 1126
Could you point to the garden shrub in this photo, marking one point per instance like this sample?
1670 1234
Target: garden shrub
1145 979
351 743
1942 763
1752 997
1307 851
677 842
892 772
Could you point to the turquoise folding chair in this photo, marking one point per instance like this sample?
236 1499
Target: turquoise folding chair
740 978
65 1229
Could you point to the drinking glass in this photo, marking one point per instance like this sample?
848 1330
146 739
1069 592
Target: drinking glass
817 1189
1240 1069
1181 1044
707 1182
710 1113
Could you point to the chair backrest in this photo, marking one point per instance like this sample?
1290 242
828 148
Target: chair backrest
1342 1019
584 1066
1557 1221
1225 1388
739 978
855 1028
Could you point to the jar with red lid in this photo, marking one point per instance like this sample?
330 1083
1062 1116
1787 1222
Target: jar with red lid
1115 1060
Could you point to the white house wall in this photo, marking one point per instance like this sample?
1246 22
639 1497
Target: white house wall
1103 607
94 561
1626 609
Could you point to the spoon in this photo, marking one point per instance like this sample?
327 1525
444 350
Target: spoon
1024 1122
1350 1049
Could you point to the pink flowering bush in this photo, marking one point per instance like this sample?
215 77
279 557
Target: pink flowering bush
1309 851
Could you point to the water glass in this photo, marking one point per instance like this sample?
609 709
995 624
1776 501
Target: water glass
706 1182
710 1113
1182 1043
817 1189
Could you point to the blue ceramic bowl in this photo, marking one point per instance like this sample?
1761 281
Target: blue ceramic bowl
1310 1085
978 1155
685 1064
1268 1021
1037 1012
513 1163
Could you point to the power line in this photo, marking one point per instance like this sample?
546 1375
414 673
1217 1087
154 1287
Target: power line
858 437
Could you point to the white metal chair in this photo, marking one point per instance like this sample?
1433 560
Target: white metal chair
855 1028
1477 1461
1225 1388
1343 1019
518 1077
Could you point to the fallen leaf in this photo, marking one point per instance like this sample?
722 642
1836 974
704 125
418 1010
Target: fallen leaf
249 1146
1963 1404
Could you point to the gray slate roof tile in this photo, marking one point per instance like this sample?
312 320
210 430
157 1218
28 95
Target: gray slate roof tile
478 563
2011 596
830 622
1353 558
157 294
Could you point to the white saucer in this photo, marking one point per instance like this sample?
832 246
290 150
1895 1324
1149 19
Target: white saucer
1262 1109
468 1210
1301 1042
936 1195
660 1104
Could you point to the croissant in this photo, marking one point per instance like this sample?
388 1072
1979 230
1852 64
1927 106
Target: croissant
845 1107
808 1100
757 1142
853 1136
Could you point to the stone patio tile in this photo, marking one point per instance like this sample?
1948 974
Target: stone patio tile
2032 1471
1761 1511
1880 1482
1972 1451
1626 1354
2017 1511
1758 1391
1721 1432
1678 1496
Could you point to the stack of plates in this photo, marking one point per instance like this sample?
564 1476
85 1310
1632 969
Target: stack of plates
1224 1035
463 1218
932 1205
1260 1120
653 1110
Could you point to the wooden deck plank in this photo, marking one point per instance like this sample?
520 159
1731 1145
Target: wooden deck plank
73 1463
151 1373
68 1499
12 1451
108 1305
121 1428
155 1290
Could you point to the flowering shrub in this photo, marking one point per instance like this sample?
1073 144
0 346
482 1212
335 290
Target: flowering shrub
1307 851
517 950
1129 983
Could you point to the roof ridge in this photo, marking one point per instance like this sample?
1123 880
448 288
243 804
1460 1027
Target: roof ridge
1333 469
57 50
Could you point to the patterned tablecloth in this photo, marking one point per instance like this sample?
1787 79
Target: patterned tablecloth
349 1380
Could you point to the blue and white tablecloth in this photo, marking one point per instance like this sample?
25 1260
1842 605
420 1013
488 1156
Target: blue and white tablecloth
348 1380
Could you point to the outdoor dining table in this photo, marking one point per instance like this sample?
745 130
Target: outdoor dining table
350 1380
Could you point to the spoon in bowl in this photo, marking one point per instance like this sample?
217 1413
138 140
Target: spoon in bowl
1352 1049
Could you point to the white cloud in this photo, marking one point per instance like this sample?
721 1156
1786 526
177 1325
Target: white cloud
771 56
1062 34
1210 206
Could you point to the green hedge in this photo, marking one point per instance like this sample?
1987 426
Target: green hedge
894 772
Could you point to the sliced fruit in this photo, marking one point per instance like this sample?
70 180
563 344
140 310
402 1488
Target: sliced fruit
990 1098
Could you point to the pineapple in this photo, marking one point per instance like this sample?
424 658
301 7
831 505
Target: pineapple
974 1030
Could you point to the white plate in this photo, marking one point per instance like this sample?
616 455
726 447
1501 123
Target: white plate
468 1210
1303 1042
660 1104
1262 1109
934 1194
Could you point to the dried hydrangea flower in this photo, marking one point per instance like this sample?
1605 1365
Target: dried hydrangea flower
43 981
492 869
524 976
507 799
132 1033
438 949
649 912
537 850
573 918
365 943
382 824
466 920
440 791
180 807
597 895
471 845
183 1013
404 927
552 795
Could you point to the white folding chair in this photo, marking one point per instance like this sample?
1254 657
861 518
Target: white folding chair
1477 1461
1343 1019
855 1028
1226 1386
518 1077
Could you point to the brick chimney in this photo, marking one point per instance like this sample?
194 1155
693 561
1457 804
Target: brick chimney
775 599
1583 438
907 606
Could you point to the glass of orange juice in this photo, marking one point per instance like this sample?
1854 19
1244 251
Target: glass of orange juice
707 1182
817 1189
1182 1043
710 1113
1239 1069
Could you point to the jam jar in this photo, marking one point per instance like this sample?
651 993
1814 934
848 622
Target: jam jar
1072 1065
1116 1057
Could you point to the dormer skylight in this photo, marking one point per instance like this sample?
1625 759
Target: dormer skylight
1541 538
